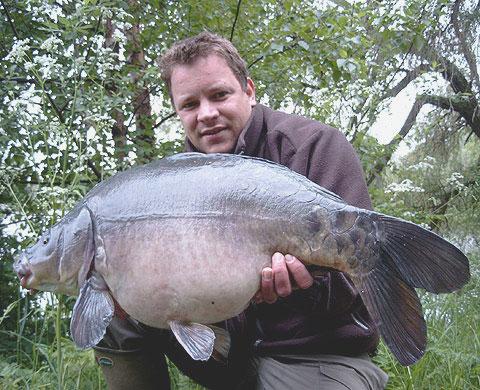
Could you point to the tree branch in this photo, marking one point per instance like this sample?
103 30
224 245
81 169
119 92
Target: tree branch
92 166
467 105
448 69
392 146
10 21
57 110
236 18
467 109
19 80
410 76
164 120
469 56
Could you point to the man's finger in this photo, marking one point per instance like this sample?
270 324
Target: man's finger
267 288
283 286
298 271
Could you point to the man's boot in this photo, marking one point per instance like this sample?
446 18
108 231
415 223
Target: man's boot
133 370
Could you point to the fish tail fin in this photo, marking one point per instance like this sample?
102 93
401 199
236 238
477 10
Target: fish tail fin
397 312
424 259
406 257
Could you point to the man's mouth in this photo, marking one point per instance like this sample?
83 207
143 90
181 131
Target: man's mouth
212 131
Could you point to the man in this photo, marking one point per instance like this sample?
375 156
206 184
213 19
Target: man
317 337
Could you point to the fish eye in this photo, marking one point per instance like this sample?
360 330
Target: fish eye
45 239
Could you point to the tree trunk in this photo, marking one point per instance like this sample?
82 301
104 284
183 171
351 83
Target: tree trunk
119 131
144 137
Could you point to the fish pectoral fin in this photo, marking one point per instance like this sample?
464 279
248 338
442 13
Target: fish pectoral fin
92 313
197 339
222 344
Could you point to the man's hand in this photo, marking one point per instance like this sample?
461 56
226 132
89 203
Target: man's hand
276 280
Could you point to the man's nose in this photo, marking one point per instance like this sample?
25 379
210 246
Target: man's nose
207 111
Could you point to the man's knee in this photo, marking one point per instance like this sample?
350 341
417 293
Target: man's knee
306 372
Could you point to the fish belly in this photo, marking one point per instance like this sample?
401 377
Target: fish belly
184 269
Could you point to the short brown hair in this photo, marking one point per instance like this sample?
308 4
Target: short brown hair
186 51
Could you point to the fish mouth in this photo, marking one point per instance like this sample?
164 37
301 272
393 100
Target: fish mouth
25 276
24 273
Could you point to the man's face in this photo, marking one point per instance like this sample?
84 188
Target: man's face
211 104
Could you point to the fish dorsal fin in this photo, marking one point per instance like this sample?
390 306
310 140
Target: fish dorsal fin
92 313
197 339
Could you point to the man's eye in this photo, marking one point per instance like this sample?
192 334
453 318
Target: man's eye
220 95
189 105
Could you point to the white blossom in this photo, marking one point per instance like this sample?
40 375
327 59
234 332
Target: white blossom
51 44
68 51
48 65
427 163
80 60
124 25
405 186
454 180
38 156
55 191
107 61
68 197
119 36
107 12
41 10
408 215
422 165
18 51
121 18
9 173
99 40
424 225
101 121
55 128
29 66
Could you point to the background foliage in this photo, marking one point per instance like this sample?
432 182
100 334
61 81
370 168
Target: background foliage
81 100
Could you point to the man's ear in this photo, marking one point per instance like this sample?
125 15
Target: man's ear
250 91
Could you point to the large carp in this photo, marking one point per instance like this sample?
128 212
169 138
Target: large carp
180 243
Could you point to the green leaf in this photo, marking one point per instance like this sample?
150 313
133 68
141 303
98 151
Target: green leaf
337 75
276 46
343 53
418 42
405 47
288 5
304 44
386 34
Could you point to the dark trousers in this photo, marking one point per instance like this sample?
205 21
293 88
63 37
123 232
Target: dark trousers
133 355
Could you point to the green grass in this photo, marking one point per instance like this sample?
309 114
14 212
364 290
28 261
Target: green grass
452 360
78 371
